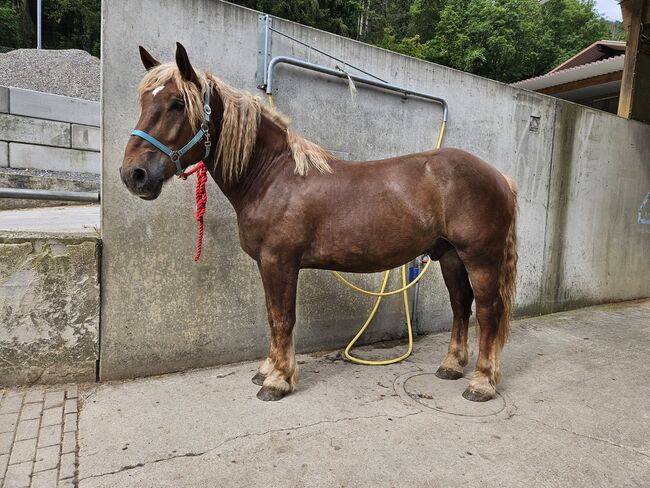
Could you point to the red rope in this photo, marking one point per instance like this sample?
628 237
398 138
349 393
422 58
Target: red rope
201 199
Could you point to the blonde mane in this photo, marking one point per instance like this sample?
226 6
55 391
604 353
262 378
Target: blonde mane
241 120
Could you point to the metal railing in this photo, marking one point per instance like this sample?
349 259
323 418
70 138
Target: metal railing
67 196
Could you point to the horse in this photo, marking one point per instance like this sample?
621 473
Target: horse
300 207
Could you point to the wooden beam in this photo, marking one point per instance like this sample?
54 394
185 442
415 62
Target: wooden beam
634 102
587 82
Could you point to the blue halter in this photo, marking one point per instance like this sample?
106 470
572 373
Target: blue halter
176 156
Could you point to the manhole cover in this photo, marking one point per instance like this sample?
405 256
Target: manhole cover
445 398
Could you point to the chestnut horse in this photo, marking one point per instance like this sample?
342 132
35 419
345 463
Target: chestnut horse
299 207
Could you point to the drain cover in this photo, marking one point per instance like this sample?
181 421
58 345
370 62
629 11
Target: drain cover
445 397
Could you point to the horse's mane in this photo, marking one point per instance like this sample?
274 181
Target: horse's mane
241 120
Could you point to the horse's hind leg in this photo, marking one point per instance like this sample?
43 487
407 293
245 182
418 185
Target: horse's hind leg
461 297
489 309
280 279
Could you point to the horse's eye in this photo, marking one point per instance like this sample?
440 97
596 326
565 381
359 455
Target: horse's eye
177 105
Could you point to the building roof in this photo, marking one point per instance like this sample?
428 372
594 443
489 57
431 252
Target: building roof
598 50
575 73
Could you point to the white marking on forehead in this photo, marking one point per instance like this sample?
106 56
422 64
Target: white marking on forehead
155 91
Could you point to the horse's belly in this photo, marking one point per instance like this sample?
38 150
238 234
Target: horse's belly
369 246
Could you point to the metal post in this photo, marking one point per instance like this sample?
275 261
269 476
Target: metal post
39 24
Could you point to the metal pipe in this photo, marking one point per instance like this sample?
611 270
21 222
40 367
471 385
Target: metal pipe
39 24
67 196
324 53
342 74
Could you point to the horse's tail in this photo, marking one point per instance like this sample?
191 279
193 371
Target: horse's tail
508 273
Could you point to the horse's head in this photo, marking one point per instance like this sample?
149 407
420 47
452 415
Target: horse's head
172 116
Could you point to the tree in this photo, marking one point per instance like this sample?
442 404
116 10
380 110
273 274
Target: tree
336 16
506 40
572 25
11 22
72 24
499 39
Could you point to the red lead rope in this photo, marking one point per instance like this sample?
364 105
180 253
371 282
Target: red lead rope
201 199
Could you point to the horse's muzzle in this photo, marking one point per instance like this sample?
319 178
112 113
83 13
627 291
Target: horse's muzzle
142 182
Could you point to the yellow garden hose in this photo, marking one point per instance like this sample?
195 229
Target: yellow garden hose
347 354
381 294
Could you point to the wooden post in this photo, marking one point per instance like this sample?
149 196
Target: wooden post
634 100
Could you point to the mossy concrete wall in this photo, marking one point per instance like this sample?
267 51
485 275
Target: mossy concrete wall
49 309
582 175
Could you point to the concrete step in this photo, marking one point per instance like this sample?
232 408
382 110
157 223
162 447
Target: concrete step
68 221
44 180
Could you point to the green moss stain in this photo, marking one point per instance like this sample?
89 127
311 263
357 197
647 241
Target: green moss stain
49 307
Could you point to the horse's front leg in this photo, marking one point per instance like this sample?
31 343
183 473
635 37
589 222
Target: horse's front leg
279 370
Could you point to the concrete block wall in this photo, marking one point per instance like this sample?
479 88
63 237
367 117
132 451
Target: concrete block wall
48 132
582 175
49 309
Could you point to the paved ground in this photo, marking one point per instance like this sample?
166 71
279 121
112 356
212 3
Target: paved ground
38 437
573 412
74 219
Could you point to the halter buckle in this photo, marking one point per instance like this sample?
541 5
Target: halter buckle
207 109
175 156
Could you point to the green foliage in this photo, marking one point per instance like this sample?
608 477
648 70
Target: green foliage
499 39
72 24
337 16
617 31
11 25
572 25
506 40
66 24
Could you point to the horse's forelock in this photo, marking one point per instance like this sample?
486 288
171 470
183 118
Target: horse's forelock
165 73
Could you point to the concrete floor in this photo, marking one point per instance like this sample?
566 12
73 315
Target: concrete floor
574 411
69 220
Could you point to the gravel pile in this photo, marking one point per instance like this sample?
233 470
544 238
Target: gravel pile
69 72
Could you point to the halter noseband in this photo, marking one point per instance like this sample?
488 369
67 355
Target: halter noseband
176 156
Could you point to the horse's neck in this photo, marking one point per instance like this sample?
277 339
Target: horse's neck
264 167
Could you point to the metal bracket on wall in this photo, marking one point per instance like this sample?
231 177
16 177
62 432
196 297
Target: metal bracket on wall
266 63
264 24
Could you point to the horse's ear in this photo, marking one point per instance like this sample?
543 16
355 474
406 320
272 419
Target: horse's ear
147 59
184 65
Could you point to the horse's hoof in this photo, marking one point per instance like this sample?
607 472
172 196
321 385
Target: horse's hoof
477 395
259 378
267 394
448 374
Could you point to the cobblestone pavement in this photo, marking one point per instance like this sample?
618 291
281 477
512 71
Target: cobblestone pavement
38 437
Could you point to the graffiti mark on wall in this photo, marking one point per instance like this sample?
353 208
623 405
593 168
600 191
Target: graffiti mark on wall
644 211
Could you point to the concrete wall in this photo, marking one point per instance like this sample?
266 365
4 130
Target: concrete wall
48 132
582 175
49 309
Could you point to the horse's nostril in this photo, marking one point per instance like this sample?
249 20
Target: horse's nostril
139 176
